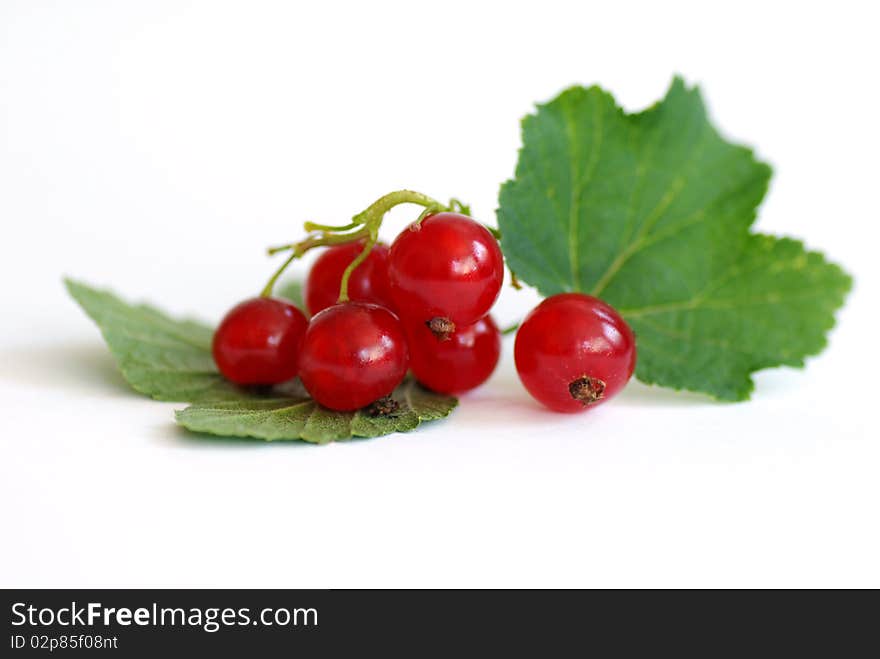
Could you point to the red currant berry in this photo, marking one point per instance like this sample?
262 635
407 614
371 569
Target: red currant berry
573 351
258 341
459 364
447 269
368 282
353 354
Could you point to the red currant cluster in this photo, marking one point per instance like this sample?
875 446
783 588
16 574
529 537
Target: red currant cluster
421 305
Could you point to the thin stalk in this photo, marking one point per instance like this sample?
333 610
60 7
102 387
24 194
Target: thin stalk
311 226
298 249
270 285
363 225
510 329
346 275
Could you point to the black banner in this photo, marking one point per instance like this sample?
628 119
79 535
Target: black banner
133 623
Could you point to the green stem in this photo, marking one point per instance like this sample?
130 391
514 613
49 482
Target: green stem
272 251
372 216
459 207
298 249
270 285
346 275
311 226
425 213
513 280
371 219
510 329
363 225
321 240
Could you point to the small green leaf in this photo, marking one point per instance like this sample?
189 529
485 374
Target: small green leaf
302 418
159 356
171 359
651 212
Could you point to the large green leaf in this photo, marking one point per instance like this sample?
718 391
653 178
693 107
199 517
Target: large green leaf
651 212
772 307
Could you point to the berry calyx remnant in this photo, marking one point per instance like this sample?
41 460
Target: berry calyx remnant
441 328
587 390
386 406
462 362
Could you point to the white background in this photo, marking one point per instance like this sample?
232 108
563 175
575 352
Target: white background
158 147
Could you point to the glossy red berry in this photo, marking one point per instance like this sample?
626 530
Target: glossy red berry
573 352
353 354
447 267
459 364
368 282
258 341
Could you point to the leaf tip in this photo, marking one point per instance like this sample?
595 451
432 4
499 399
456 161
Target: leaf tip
72 286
